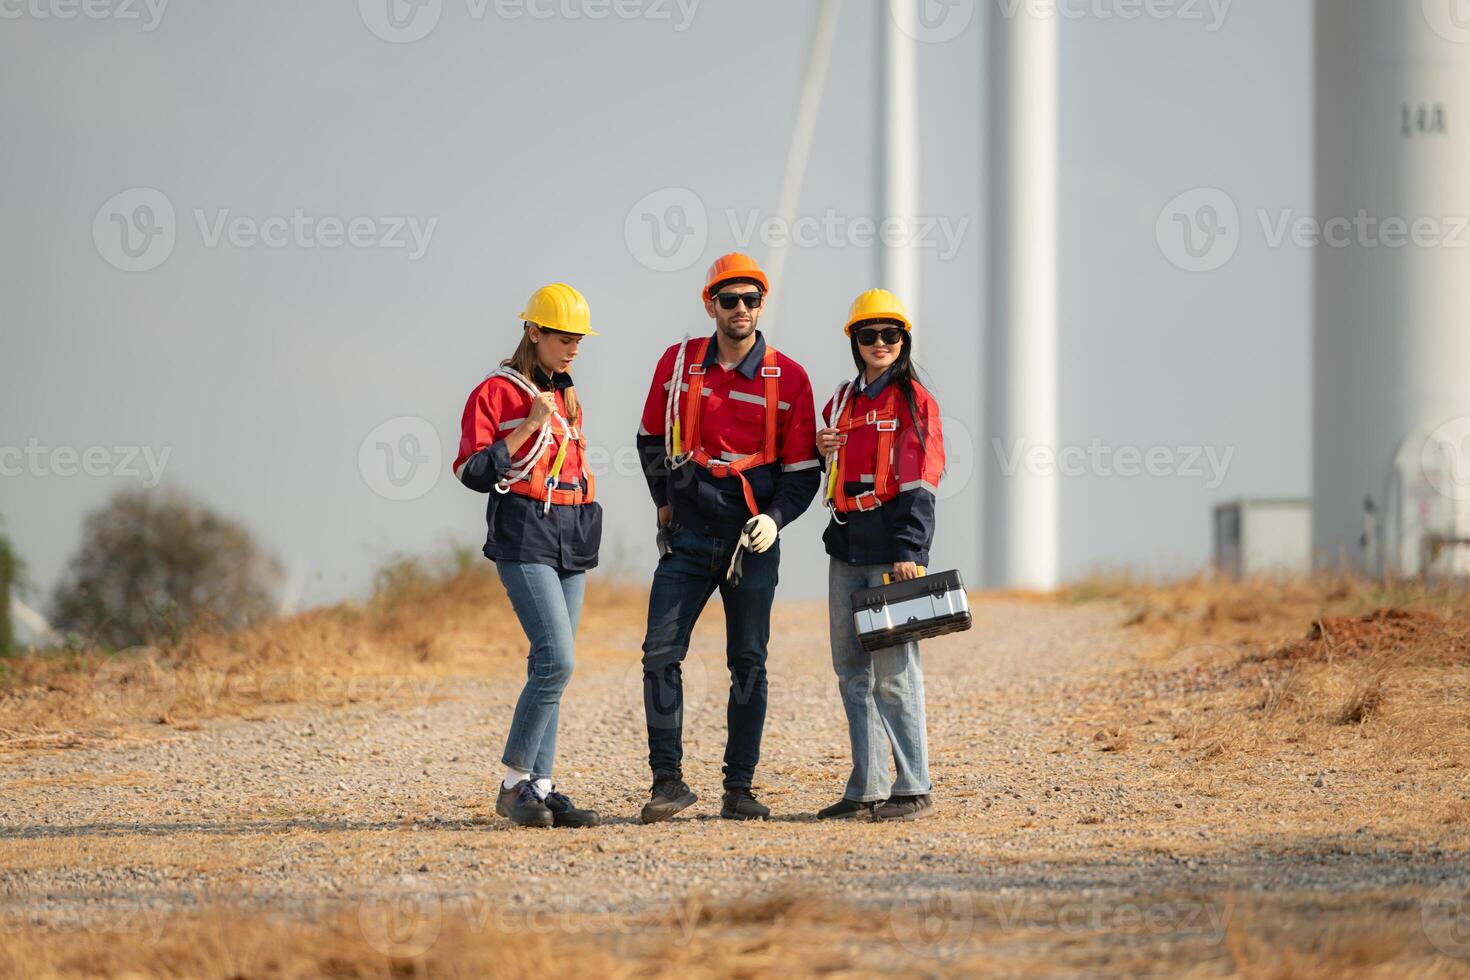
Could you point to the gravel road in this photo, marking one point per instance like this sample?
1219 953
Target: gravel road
312 808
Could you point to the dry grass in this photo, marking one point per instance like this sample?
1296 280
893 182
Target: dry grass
421 627
1264 694
788 934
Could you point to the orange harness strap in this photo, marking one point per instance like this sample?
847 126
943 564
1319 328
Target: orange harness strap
885 486
771 376
540 485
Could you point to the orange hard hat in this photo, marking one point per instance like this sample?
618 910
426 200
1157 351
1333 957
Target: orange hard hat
731 267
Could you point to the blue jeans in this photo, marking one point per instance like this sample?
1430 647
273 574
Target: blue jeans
682 585
548 602
882 693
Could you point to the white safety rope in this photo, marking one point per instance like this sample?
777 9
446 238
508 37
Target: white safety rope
544 437
840 398
671 408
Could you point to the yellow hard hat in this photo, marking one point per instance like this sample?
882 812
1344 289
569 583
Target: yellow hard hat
559 307
877 304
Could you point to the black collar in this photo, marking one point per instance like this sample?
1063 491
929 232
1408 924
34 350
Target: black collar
746 367
874 388
560 381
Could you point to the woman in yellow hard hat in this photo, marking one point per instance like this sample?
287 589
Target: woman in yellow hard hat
523 443
885 453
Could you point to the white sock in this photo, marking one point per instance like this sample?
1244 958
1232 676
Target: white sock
542 787
513 776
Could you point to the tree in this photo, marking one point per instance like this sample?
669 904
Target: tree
152 564
10 574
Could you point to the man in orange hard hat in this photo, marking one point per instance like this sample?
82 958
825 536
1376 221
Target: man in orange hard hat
728 443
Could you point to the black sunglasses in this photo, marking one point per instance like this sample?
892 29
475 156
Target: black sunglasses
868 336
730 300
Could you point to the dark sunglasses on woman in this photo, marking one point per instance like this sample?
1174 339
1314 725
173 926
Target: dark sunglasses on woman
868 336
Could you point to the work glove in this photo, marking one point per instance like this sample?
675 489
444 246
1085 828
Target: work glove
761 531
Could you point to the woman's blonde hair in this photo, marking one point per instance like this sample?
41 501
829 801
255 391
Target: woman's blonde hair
523 360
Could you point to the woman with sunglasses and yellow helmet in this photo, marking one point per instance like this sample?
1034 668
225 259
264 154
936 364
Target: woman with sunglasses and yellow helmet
522 443
885 453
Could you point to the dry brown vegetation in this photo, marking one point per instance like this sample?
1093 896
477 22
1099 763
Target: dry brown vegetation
1337 679
425 621
787 934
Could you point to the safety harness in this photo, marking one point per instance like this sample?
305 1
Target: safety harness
682 429
885 484
536 476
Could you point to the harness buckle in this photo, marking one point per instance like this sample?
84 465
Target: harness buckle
696 369
872 417
719 468
842 438
887 425
867 495
770 372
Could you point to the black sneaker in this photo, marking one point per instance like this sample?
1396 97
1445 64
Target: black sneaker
521 804
904 808
740 804
845 809
563 814
670 795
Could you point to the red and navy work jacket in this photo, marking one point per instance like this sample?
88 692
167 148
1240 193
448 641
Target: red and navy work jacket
731 425
888 510
521 527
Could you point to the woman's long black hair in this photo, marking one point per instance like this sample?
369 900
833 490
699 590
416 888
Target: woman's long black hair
904 374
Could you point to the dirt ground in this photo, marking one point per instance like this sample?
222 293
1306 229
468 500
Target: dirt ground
1135 784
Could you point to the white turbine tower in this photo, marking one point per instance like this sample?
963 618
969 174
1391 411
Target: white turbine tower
1391 341
898 148
1021 531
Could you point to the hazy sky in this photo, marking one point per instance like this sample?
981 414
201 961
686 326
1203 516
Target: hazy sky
357 218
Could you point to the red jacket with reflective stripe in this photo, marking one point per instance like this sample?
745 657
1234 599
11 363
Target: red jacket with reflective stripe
903 528
517 527
732 425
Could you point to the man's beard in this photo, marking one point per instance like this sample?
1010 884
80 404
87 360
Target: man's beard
737 332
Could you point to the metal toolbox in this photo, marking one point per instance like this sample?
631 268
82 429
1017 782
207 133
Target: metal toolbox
930 605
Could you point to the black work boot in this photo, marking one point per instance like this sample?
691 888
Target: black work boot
521 804
904 808
670 794
740 804
563 814
845 809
